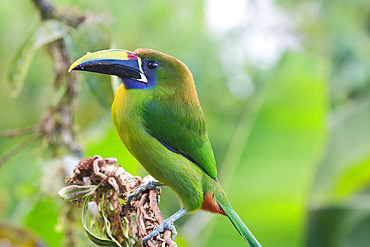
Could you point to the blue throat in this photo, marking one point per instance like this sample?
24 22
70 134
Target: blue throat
133 84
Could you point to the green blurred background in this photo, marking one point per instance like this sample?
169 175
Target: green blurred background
285 89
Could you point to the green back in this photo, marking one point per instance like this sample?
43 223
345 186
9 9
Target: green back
182 128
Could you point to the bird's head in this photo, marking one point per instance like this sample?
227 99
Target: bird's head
141 69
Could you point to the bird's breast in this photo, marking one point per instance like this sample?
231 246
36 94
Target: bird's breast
126 114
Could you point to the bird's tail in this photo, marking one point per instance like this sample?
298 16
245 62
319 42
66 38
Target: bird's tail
239 224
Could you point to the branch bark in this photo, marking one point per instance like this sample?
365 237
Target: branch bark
115 184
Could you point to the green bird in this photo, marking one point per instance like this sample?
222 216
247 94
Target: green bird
157 115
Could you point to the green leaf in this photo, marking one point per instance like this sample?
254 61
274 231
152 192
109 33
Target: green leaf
343 174
346 167
354 179
74 191
94 238
339 226
107 229
126 228
45 33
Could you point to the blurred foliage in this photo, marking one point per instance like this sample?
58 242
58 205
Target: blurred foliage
293 156
12 236
45 33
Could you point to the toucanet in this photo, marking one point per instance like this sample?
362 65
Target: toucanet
157 115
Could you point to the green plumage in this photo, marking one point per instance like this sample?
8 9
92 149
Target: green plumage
183 129
170 168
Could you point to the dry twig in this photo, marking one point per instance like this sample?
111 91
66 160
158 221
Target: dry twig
17 149
56 126
9 133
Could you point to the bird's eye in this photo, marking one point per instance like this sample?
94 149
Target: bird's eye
153 65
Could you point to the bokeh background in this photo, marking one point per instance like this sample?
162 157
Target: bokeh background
285 89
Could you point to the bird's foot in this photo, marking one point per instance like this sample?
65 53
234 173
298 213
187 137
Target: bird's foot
166 225
152 184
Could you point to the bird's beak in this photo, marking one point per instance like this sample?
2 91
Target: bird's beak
124 64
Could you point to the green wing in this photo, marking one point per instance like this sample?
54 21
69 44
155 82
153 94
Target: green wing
182 129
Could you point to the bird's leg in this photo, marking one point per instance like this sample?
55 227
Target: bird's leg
167 225
152 184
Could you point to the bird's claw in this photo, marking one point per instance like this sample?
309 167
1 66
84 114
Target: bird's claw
166 225
152 184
